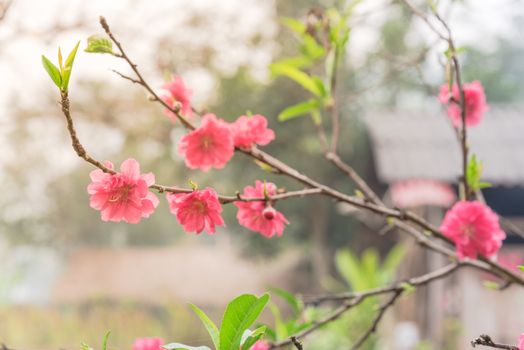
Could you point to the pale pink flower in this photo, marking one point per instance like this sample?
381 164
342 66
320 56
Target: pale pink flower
176 91
475 100
248 131
122 196
255 216
148 344
521 342
210 145
197 210
474 228
260 345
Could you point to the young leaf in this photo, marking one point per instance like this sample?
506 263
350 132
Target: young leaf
68 67
521 268
294 24
291 299
179 346
210 326
491 285
299 109
280 326
303 79
99 44
85 346
249 338
106 338
53 71
239 316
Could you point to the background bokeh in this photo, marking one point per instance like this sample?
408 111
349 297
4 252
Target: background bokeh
67 277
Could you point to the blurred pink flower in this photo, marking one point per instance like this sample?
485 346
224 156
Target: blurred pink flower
521 342
254 215
148 344
260 345
176 91
475 103
252 130
197 210
210 145
122 196
474 228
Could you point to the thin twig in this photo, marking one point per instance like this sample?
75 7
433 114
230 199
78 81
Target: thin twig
353 299
296 343
374 325
401 285
377 207
485 340
140 80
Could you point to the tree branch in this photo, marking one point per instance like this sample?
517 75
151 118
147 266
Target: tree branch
485 340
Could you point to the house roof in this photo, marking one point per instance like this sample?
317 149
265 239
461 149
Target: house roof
410 145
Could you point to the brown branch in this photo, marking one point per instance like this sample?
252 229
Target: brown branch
140 80
398 286
318 188
456 68
4 7
317 324
82 153
485 340
333 107
296 343
351 300
374 325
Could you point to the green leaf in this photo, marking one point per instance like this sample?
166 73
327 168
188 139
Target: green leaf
290 298
483 184
294 24
299 109
349 268
474 173
249 338
311 49
68 67
521 268
303 79
85 346
106 338
280 326
53 71
210 326
179 346
491 285
99 44
393 259
239 316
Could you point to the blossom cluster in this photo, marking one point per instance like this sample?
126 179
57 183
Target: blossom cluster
125 195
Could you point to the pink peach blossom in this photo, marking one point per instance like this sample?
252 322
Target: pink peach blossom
197 210
260 345
210 145
474 228
176 91
255 216
148 344
475 100
521 342
248 131
122 196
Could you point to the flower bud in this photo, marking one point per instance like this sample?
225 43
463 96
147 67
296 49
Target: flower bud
269 213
